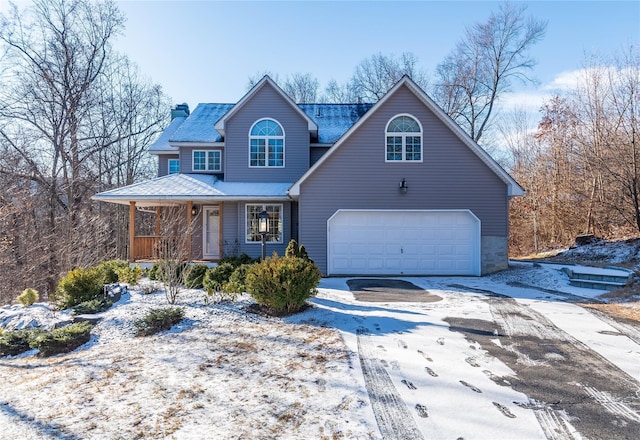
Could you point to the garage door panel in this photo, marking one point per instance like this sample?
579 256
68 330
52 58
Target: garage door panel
404 242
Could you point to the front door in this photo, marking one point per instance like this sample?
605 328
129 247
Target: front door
211 233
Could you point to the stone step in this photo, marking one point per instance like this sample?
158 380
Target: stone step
594 284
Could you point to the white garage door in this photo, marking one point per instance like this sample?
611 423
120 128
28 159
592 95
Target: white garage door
403 243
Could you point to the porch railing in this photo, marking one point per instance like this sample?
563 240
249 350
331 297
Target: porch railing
151 247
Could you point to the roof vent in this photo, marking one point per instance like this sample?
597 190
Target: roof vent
180 111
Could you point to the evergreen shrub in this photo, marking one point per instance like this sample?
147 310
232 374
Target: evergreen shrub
77 286
158 320
63 339
283 284
28 297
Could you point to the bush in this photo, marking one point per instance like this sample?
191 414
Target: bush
77 286
63 339
293 250
109 270
97 305
28 297
17 341
156 272
238 261
283 284
129 274
158 320
217 276
194 276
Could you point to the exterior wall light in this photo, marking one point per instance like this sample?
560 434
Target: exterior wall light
403 186
263 230
194 211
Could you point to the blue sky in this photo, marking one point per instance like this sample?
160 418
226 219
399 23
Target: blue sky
205 51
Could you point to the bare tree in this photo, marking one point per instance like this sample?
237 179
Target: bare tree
174 250
484 64
375 75
63 106
302 88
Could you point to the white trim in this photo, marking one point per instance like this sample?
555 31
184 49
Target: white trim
196 145
205 210
264 206
206 161
513 188
220 124
404 136
477 231
266 145
169 165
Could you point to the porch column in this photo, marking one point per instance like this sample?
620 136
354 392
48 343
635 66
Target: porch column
132 230
158 220
189 229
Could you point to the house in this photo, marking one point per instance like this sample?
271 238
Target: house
391 188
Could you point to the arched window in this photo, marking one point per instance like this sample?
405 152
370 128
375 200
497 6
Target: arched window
404 140
266 144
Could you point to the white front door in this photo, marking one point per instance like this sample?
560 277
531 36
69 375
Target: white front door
211 232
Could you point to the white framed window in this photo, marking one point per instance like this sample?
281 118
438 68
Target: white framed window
403 140
174 166
266 144
207 160
275 222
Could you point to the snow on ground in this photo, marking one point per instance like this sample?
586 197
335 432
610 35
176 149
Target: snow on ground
224 373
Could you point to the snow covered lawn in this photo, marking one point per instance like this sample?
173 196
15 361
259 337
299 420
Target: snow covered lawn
224 373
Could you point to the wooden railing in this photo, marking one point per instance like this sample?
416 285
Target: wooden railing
145 247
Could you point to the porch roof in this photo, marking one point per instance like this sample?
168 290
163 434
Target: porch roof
175 189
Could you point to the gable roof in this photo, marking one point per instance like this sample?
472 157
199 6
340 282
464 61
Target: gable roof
162 145
199 127
220 124
334 119
513 188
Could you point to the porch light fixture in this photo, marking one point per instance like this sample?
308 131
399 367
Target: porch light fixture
263 230
194 211
403 186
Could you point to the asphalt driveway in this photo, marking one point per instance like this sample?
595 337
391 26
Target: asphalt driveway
477 358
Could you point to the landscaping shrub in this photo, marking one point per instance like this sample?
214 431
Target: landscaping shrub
152 273
129 274
158 320
77 286
217 276
194 276
283 284
16 341
97 305
295 250
109 270
63 339
28 297
156 271
238 261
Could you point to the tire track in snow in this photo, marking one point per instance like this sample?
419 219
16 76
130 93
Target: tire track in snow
391 413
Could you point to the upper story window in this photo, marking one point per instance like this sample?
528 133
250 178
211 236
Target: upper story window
266 144
174 166
207 160
404 140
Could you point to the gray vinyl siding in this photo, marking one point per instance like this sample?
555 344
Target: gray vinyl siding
186 159
356 176
163 163
317 153
234 227
266 103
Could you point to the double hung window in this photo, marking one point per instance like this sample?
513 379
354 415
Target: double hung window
207 160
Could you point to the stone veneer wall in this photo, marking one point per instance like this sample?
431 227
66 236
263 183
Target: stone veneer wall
494 253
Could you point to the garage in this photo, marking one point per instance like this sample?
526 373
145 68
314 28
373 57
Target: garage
403 242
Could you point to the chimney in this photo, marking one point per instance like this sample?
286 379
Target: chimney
180 111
